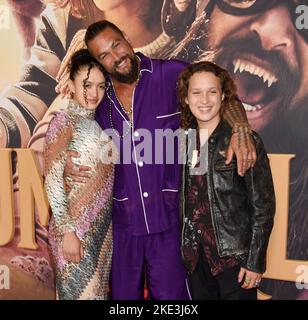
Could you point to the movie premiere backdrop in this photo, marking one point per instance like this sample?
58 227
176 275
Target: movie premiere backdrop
262 43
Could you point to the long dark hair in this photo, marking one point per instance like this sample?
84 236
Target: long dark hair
83 58
97 27
177 23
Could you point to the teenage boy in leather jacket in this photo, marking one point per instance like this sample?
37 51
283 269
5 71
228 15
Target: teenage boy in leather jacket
227 218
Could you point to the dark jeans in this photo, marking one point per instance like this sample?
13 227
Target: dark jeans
205 286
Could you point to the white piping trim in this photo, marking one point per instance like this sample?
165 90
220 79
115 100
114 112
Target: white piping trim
151 71
119 199
109 97
169 190
167 115
187 288
135 154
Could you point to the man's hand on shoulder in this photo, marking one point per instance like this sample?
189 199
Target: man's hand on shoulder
243 146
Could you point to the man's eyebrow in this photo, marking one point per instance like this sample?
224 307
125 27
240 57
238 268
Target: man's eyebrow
101 54
112 45
115 41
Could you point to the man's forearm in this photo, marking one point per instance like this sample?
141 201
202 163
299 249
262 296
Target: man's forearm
241 142
235 115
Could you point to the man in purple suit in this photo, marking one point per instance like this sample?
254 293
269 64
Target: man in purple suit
142 95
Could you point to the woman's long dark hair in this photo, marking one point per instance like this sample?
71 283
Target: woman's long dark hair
177 23
82 58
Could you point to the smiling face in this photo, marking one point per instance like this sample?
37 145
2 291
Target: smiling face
88 91
204 98
106 5
115 54
262 52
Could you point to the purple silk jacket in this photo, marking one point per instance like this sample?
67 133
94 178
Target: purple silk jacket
146 195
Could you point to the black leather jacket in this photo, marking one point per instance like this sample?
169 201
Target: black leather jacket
242 208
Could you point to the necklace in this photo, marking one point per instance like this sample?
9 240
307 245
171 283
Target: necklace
129 113
128 130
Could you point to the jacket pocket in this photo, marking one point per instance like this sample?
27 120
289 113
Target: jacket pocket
168 121
171 198
120 199
163 116
120 209
222 166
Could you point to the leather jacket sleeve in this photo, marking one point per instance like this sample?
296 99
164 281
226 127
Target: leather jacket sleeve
259 183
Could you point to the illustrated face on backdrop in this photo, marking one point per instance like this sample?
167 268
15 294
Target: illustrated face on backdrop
258 43
106 5
88 90
182 5
116 55
204 98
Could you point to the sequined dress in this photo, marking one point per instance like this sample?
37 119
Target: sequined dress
86 209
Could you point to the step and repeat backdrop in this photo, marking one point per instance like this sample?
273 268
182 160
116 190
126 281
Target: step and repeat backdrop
262 43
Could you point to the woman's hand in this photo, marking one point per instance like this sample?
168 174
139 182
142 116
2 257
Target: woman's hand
252 279
72 247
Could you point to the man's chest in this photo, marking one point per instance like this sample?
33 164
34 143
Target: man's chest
124 99
141 109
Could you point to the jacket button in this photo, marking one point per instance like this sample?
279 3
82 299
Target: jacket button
199 231
145 194
140 164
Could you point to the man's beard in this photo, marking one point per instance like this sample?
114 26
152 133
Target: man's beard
133 73
263 94
288 133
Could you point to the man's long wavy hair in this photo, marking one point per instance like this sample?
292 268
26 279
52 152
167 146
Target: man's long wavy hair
228 88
